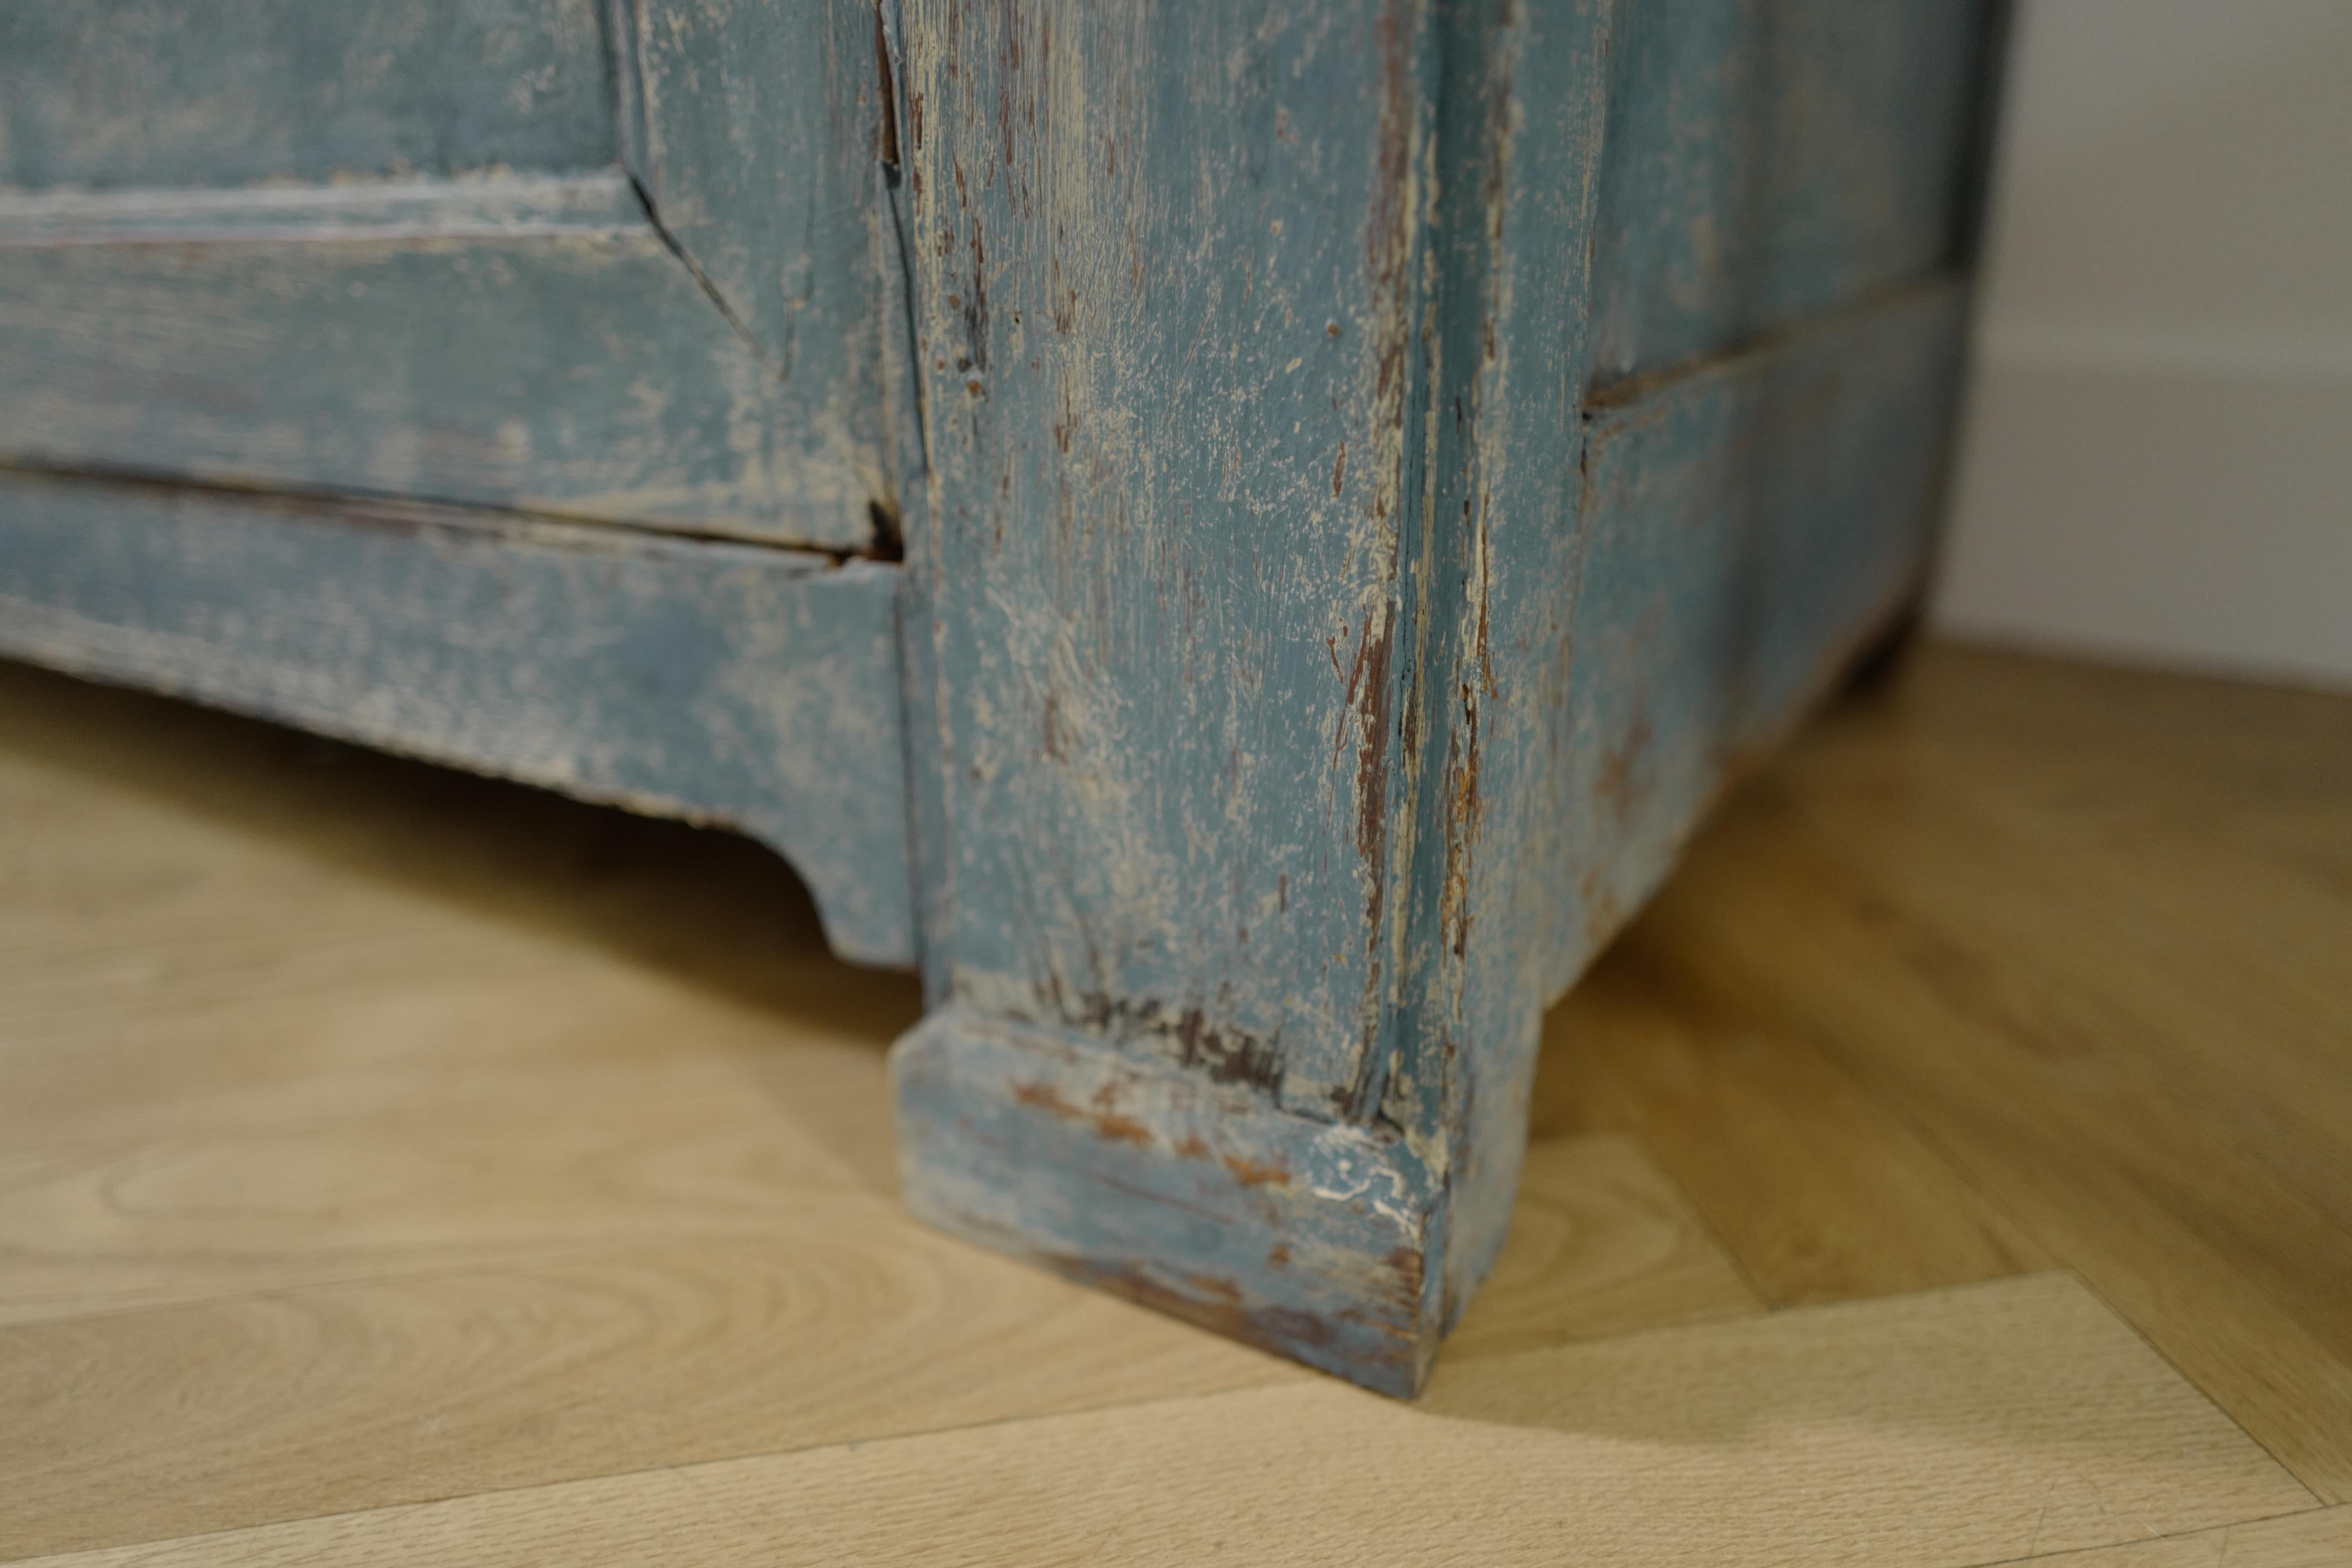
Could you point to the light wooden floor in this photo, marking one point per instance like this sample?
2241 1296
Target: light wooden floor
1954 1167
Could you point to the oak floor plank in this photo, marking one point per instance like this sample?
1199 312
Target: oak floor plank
2151 1105
830 1319
369 1132
206 911
202 1216
2315 1538
539 1036
420 1126
1959 1427
1602 1243
784 1324
1818 1189
276 1013
845 1323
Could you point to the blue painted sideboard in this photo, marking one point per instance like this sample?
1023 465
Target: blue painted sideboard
1239 539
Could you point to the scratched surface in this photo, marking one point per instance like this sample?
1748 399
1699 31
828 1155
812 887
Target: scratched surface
1308 1240
1458 699
1764 165
1523 100
1743 532
732 684
1164 257
1747 528
1769 159
755 128
321 253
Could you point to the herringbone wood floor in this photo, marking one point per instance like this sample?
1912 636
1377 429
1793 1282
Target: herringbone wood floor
1953 1167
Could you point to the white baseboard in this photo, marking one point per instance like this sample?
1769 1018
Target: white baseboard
2157 512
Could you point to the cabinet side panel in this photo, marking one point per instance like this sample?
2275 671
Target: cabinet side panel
1770 159
1753 528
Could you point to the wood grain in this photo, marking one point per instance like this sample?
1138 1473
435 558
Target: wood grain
2315 1538
1786 118
217 925
795 1318
1956 1428
844 1321
610 1162
1815 1185
1602 1243
374 1134
248 91
753 688
581 371
2026 973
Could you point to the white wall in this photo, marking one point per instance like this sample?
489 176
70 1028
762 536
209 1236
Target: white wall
2156 464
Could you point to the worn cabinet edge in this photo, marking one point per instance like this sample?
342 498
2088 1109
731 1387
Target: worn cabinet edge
734 685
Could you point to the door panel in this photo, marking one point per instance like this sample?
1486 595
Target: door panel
615 263
574 369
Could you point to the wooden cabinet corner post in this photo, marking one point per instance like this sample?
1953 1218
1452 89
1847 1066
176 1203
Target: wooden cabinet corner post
1207 686
1348 555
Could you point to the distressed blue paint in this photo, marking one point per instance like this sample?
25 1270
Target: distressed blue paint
1305 1238
1164 357
1741 531
125 94
1770 159
1590 607
1747 529
1524 98
722 683
754 130
598 205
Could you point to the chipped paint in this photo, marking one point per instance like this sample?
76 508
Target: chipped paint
1313 1247
1257 1173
